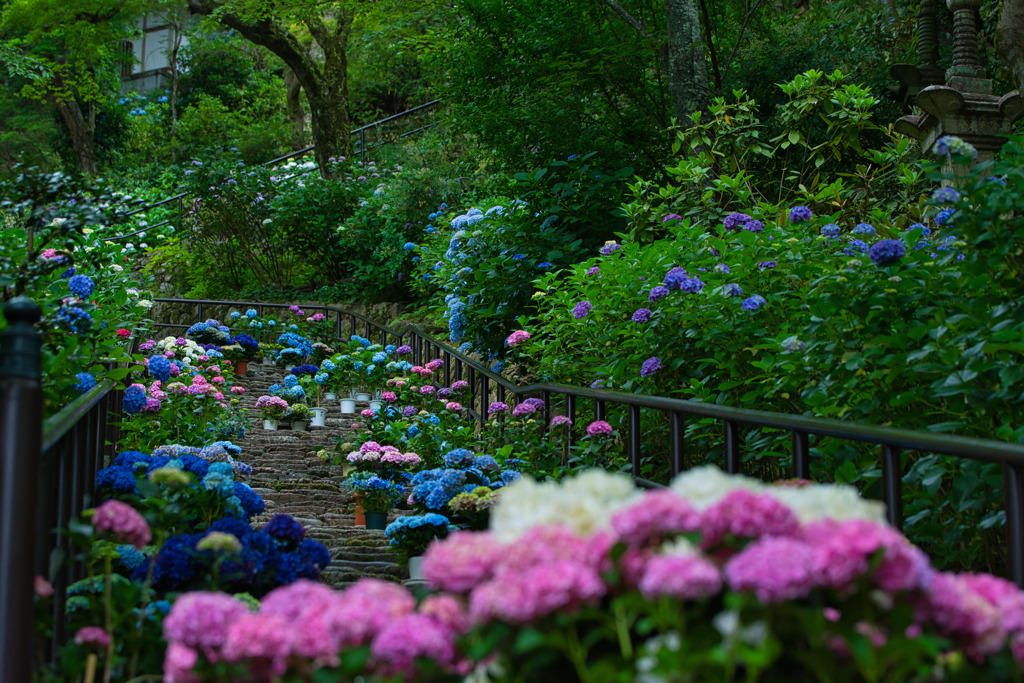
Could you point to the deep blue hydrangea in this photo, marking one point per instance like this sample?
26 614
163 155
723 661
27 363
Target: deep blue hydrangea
84 382
886 252
175 564
232 525
925 230
249 344
314 553
81 286
116 478
863 229
733 289
509 476
77 319
68 274
306 369
128 459
196 465
295 341
284 528
945 217
159 367
251 502
134 400
753 303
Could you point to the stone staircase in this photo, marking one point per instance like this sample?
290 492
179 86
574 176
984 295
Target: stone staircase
290 477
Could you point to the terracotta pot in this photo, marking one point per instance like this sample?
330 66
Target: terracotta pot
360 515
242 368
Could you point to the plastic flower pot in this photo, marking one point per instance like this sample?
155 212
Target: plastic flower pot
299 426
362 397
416 569
319 417
348 406
330 396
270 425
376 520
242 368
288 367
269 360
376 405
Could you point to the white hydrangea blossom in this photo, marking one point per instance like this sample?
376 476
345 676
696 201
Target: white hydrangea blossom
585 503
828 501
704 486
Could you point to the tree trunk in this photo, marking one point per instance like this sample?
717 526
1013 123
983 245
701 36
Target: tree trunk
296 116
1010 39
81 135
687 68
326 85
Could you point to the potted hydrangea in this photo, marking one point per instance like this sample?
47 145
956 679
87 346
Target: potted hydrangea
299 415
272 409
377 495
410 536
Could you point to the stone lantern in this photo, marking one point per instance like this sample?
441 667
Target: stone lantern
963 105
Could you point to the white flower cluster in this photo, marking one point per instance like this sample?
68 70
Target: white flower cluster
704 486
186 352
585 503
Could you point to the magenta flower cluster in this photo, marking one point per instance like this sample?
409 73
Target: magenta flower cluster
123 522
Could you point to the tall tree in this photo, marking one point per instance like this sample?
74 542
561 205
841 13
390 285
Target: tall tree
268 23
77 42
1010 40
687 65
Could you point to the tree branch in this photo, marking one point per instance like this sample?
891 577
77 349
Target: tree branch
628 18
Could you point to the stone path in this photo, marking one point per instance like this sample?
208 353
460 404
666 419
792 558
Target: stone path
291 479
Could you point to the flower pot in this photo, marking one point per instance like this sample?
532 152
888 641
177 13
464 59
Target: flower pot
299 426
288 367
242 368
269 360
319 417
362 396
376 405
360 515
348 406
416 568
376 520
270 424
330 396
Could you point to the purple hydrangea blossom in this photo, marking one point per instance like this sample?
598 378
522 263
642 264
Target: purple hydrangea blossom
594 271
886 252
672 217
641 315
733 289
650 366
657 294
800 214
856 247
581 310
830 230
599 428
754 226
736 221
767 265
497 407
610 248
863 229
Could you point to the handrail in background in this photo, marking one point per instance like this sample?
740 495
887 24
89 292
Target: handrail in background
892 442
361 131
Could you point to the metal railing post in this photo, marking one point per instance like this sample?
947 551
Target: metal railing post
892 485
21 439
1014 484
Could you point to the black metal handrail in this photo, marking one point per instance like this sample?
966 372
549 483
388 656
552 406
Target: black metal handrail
892 442
361 132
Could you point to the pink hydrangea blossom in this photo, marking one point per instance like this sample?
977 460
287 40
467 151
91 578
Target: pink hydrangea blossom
265 638
454 406
560 420
200 620
389 396
775 569
517 338
745 514
657 514
93 636
237 390
1003 594
123 522
844 551
398 643
599 428
689 577
964 614
42 587
218 380
521 597
434 365
179 661
426 390
523 409
367 413
459 385
462 561
363 609
447 611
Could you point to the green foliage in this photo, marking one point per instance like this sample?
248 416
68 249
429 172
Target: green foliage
562 211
